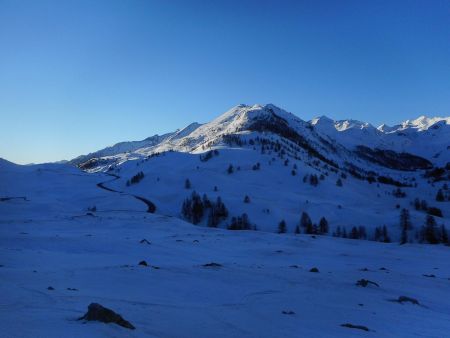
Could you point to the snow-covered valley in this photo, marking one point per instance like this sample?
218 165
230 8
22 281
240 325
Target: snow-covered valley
70 237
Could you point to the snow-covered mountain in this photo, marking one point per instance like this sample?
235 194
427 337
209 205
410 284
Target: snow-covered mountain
425 137
348 166
143 229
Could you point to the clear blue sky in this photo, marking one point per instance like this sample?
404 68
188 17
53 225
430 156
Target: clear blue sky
76 76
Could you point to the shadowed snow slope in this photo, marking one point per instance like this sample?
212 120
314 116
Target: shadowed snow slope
262 275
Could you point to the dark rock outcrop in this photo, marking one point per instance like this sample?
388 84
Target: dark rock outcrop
358 327
102 314
366 282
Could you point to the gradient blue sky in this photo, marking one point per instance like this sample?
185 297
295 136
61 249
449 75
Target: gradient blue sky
76 76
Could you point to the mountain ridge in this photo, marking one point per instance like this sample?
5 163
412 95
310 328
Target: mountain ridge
426 137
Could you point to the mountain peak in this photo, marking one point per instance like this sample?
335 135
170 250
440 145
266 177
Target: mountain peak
424 123
324 122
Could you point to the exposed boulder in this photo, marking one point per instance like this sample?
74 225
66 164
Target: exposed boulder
365 282
100 313
358 327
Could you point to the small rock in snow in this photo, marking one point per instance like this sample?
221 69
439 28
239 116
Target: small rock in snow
212 265
100 313
288 312
352 326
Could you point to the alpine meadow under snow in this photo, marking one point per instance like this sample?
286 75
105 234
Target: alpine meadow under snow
342 231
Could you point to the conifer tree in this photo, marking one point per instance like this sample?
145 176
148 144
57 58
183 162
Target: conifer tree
440 196
187 184
429 232
405 225
306 223
282 227
323 226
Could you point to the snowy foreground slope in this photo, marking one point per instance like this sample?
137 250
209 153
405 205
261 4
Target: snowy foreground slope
56 258
262 275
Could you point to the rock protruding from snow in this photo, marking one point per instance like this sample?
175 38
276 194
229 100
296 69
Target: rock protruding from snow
97 312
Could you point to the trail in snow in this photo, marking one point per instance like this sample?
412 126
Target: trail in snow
151 207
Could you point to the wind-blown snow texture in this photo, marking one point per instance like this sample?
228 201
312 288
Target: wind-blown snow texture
84 233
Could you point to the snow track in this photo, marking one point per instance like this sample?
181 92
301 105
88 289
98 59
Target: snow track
151 208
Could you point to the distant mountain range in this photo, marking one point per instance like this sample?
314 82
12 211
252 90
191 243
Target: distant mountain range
428 138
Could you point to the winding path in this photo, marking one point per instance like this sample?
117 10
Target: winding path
151 207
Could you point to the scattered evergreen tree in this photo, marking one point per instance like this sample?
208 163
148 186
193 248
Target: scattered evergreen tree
194 207
398 193
246 199
313 180
282 227
386 238
136 178
297 230
206 202
377 234
197 209
405 225
417 204
358 233
429 231
344 232
187 184
240 223
354 233
230 169
423 205
440 196
381 235
306 223
323 226
338 232
433 211
404 237
362 232
444 235
339 182
217 213
209 155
